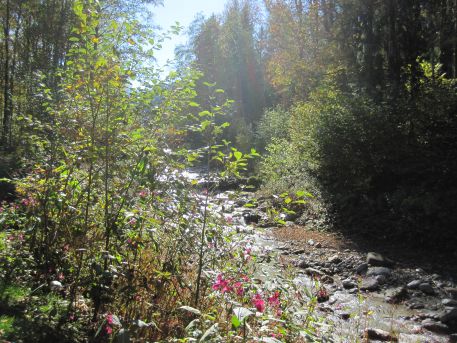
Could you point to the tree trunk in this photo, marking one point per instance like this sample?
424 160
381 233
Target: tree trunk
7 94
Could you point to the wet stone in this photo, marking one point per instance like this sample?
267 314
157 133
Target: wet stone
335 259
369 284
396 295
448 315
313 272
435 326
348 284
449 302
380 335
344 315
377 260
452 291
361 269
374 271
427 288
302 264
414 284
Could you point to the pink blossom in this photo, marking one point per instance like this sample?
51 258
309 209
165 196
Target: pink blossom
274 300
143 193
109 318
245 278
238 286
258 302
229 219
108 330
222 284
132 221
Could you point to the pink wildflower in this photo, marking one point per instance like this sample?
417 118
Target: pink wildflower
143 193
274 300
238 286
258 302
222 284
108 330
132 221
109 319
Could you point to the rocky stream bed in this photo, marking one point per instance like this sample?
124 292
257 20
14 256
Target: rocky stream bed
369 297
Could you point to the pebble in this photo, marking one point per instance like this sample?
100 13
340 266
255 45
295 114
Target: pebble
395 295
427 288
448 315
449 302
348 284
378 260
302 264
452 291
313 271
414 284
369 284
335 259
434 326
362 269
379 335
374 271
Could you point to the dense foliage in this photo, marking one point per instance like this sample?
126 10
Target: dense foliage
103 234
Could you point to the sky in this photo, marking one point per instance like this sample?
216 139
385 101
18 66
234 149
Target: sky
183 11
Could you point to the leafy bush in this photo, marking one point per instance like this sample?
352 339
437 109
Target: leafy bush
386 166
273 124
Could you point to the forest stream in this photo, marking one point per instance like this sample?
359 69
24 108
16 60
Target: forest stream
365 294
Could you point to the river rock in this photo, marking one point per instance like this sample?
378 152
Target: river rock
251 217
303 264
377 260
414 284
449 302
313 272
327 279
344 315
375 271
395 295
335 259
448 315
427 288
435 326
362 269
452 291
369 284
379 335
348 284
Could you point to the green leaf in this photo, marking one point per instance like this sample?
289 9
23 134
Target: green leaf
288 200
300 193
193 104
235 322
238 155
